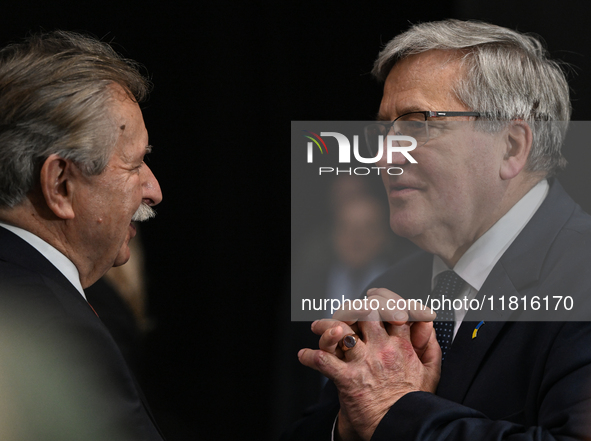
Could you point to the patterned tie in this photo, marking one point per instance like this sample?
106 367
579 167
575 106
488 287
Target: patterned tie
449 284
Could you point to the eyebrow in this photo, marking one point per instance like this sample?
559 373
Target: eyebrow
381 117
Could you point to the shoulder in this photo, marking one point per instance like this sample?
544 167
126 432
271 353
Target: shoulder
409 277
35 302
24 291
572 242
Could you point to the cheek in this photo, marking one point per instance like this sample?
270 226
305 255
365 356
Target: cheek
128 199
456 168
483 171
450 186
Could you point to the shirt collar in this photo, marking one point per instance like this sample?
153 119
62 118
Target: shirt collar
57 259
477 263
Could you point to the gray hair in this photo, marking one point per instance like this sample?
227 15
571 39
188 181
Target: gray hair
56 92
508 76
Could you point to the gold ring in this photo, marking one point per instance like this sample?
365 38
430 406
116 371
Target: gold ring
348 342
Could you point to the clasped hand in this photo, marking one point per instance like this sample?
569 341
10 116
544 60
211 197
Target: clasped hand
397 353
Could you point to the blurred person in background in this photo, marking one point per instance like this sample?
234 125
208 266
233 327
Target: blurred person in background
337 259
120 300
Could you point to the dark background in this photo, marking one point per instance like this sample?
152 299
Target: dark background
229 76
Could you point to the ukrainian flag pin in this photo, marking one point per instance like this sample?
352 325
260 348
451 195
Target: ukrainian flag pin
475 332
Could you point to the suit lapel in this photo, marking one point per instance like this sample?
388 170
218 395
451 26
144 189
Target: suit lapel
467 354
18 251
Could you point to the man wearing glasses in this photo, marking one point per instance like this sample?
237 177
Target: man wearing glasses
489 112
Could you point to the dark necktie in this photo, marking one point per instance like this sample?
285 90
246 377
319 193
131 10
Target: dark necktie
449 284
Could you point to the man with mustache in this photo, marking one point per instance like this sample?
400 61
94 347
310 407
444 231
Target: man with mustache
488 109
72 181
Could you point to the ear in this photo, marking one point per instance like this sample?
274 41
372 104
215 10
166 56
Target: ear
518 145
55 180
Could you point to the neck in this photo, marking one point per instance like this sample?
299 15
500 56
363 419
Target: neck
45 225
450 244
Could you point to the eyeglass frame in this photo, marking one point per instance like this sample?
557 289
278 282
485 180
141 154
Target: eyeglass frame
435 114
427 114
431 114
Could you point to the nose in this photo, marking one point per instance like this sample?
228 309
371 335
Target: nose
151 193
397 157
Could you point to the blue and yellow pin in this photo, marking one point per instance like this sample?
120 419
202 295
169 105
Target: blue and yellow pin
475 332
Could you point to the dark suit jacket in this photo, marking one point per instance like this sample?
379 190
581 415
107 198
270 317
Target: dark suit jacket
63 357
516 380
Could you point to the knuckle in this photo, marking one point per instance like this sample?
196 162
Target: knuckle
393 357
406 348
321 359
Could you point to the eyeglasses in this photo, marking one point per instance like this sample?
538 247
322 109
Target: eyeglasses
414 124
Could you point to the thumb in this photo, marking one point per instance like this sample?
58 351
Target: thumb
420 337
432 352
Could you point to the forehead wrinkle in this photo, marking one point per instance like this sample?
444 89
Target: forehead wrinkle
421 78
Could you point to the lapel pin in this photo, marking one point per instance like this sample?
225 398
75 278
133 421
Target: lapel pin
475 332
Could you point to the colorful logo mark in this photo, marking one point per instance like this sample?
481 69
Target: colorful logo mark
315 142
475 332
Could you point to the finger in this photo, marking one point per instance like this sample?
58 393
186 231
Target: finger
325 363
352 347
391 306
319 327
420 335
402 331
420 312
373 329
388 311
432 352
330 339
333 332
396 320
352 312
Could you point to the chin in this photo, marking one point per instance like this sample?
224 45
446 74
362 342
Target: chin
123 256
404 225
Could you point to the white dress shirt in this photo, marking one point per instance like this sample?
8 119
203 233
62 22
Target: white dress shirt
477 263
57 259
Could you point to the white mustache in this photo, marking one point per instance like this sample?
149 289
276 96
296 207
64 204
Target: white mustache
143 213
